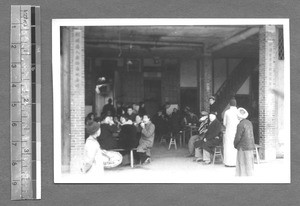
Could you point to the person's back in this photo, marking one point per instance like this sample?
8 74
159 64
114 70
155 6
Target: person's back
244 138
175 122
128 137
108 128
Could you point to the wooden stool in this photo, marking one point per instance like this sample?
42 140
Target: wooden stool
256 153
163 140
172 142
217 151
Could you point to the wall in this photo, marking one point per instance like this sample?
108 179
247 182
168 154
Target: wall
188 73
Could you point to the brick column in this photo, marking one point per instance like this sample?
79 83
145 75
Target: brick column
77 99
267 107
65 97
206 81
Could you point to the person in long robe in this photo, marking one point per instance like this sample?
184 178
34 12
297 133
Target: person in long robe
230 122
244 143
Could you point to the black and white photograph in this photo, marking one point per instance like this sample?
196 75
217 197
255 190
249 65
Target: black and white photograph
171 100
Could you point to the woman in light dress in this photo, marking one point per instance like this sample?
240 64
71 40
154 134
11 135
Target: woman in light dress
95 159
230 122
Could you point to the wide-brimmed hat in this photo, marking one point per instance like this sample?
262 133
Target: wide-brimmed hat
242 113
92 128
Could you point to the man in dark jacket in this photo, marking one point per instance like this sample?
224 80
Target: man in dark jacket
109 108
210 141
244 143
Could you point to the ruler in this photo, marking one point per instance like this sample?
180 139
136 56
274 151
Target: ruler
25 102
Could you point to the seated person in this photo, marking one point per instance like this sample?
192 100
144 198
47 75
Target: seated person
190 118
146 141
211 139
130 114
204 120
120 109
137 124
175 121
107 140
161 125
142 110
96 159
127 136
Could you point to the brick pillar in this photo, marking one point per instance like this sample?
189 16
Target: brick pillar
65 97
77 106
206 81
267 107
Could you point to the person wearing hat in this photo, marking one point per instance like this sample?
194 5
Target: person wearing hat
244 143
230 122
96 159
204 120
205 147
93 161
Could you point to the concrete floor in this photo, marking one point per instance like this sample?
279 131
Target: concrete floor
173 166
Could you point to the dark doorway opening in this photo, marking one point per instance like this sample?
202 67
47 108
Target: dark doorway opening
189 97
152 96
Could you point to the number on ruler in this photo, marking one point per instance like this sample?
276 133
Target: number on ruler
26 150
13 66
14 183
13 85
13 46
14 144
13 105
14 124
14 163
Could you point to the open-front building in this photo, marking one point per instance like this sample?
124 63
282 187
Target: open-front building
175 64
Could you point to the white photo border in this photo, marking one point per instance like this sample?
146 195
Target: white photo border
57 23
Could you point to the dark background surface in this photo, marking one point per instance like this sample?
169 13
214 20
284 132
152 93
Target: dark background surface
145 194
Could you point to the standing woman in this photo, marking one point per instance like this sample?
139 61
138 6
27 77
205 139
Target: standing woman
230 122
244 143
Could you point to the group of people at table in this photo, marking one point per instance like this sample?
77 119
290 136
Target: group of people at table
111 137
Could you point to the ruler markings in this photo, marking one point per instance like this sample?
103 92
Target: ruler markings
23 98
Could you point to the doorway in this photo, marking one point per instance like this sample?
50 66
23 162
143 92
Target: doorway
152 95
189 97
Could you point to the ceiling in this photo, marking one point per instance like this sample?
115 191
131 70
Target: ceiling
168 41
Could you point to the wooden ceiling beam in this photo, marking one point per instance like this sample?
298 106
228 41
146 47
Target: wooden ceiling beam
151 43
235 39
